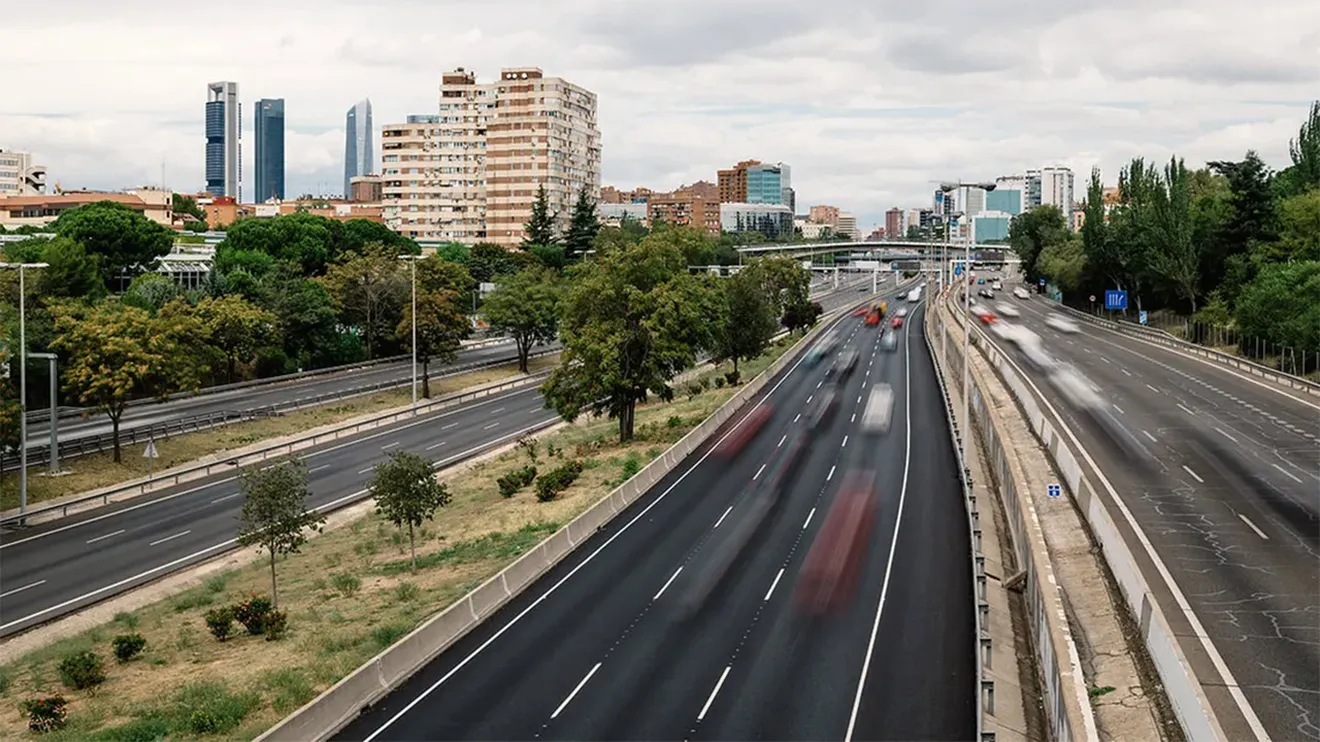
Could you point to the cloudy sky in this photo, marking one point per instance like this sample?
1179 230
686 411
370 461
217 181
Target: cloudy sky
868 100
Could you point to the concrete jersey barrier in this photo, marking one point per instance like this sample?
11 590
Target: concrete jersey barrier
1166 647
1066 701
329 712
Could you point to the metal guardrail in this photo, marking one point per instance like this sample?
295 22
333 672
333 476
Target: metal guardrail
985 684
43 415
1160 337
40 454
238 460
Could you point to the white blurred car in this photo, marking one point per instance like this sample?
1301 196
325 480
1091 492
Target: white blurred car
901 312
1006 309
1021 293
1076 389
1062 324
879 409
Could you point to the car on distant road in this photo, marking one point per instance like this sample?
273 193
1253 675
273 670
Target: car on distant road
1021 293
896 322
1008 310
1062 324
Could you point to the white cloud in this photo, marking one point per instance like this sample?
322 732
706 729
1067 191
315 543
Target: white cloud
869 101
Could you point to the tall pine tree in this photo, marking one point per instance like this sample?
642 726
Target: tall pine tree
582 227
540 228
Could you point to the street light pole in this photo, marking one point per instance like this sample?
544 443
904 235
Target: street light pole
22 381
412 259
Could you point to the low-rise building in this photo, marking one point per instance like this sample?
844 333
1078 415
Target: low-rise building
19 176
613 214
775 221
366 189
41 210
688 207
223 211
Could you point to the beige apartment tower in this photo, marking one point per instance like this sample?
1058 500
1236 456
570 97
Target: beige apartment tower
471 173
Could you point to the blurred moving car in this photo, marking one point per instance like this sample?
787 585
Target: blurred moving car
1076 389
827 580
1021 293
896 322
826 405
1062 324
877 416
901 312
846 364
889 341
1006 309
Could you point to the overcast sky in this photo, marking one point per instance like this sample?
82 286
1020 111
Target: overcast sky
868 100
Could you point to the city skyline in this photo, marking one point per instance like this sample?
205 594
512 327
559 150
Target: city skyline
865 125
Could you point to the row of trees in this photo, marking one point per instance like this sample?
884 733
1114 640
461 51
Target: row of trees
1234 244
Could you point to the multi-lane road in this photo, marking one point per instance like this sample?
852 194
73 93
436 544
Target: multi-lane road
1230 502
608 644
64 565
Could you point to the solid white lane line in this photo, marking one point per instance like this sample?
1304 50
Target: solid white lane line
830 476
230 496
388 446
106 536
722 517
667 583
1184 409
845 442
1153 389
492 426
496 412
807 522
575 691
170 538
757 475
450 425
771 591
1226 435
1287 473
714 692
367 470
1253 527
434 446
21 589
781 440
1188 469
315 469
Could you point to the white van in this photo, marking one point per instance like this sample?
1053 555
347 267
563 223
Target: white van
879 410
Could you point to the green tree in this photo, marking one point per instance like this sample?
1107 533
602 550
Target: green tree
72 273
1132 226
309 324
369 290
1282 306
1098 246
236 328
1063 263
275 516
441 328
1032 231
582 228
631 320
1299 228
407 493
749 318
1304 175
187 206
525 306
1251 222
118 353
540 227
124 241
488 261
1177 257
783 281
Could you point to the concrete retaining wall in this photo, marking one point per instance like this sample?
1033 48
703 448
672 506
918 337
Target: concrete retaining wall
329 712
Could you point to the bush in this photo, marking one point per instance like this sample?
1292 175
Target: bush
719 382
82 670
732 378
277 625
631 466
515 480
209 708
694 390
220 622
705 383
552 450
128 646
252 614
345 583
46 714
550 484
529 446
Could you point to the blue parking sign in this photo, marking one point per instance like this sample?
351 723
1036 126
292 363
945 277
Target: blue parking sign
1053 490
1115 300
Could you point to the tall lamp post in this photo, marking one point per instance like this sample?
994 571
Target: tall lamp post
22 380
967 305
412 260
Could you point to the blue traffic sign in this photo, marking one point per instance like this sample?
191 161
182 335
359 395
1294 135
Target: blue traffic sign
1141 316
1115 299
957 269
1054 490
1042 282
893 266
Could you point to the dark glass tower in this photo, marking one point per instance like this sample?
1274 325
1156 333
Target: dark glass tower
269 128
358 151
223 156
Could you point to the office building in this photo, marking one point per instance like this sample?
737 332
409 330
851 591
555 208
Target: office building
775 221
471 173
894 223
1007 200
972 200
754 182
268 126
732 183
991 226
359 151
846 227
1056 189
224 154
19 177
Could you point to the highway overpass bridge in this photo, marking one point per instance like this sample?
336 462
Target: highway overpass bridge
881 250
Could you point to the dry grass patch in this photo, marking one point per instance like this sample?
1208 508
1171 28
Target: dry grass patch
349 595
99 470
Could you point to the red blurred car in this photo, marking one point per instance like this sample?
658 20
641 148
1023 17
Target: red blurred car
896 322
829 573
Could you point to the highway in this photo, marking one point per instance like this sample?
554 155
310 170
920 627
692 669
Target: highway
61 566
611 645
346 383
1230 501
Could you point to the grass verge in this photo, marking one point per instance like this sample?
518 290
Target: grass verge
348 595
99 470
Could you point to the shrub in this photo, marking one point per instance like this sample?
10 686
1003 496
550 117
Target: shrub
675 421
550 484
405 591
252 614
128 646
705 383
515 480
732 378
277 625
129 620
209 708
345 583
82 670
46 714
631 466
694 390
552 450
216 584
220 622
719 382
529 445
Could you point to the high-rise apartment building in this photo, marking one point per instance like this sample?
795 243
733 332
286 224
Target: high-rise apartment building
733 182
224 154
1056 189
846 227
754 182
19 177
894 223
268 126
972 200
471 174
359 152
694 206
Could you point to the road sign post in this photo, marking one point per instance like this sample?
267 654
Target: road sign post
1053 490
1141 316
1116 300
151 454
1092 303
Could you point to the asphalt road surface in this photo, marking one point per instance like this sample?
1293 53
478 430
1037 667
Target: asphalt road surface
58 567
599 647
1231 505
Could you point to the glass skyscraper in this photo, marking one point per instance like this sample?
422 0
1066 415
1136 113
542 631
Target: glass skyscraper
269 128
223 156
358 151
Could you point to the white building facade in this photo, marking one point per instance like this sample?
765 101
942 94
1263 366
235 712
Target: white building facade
19 176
